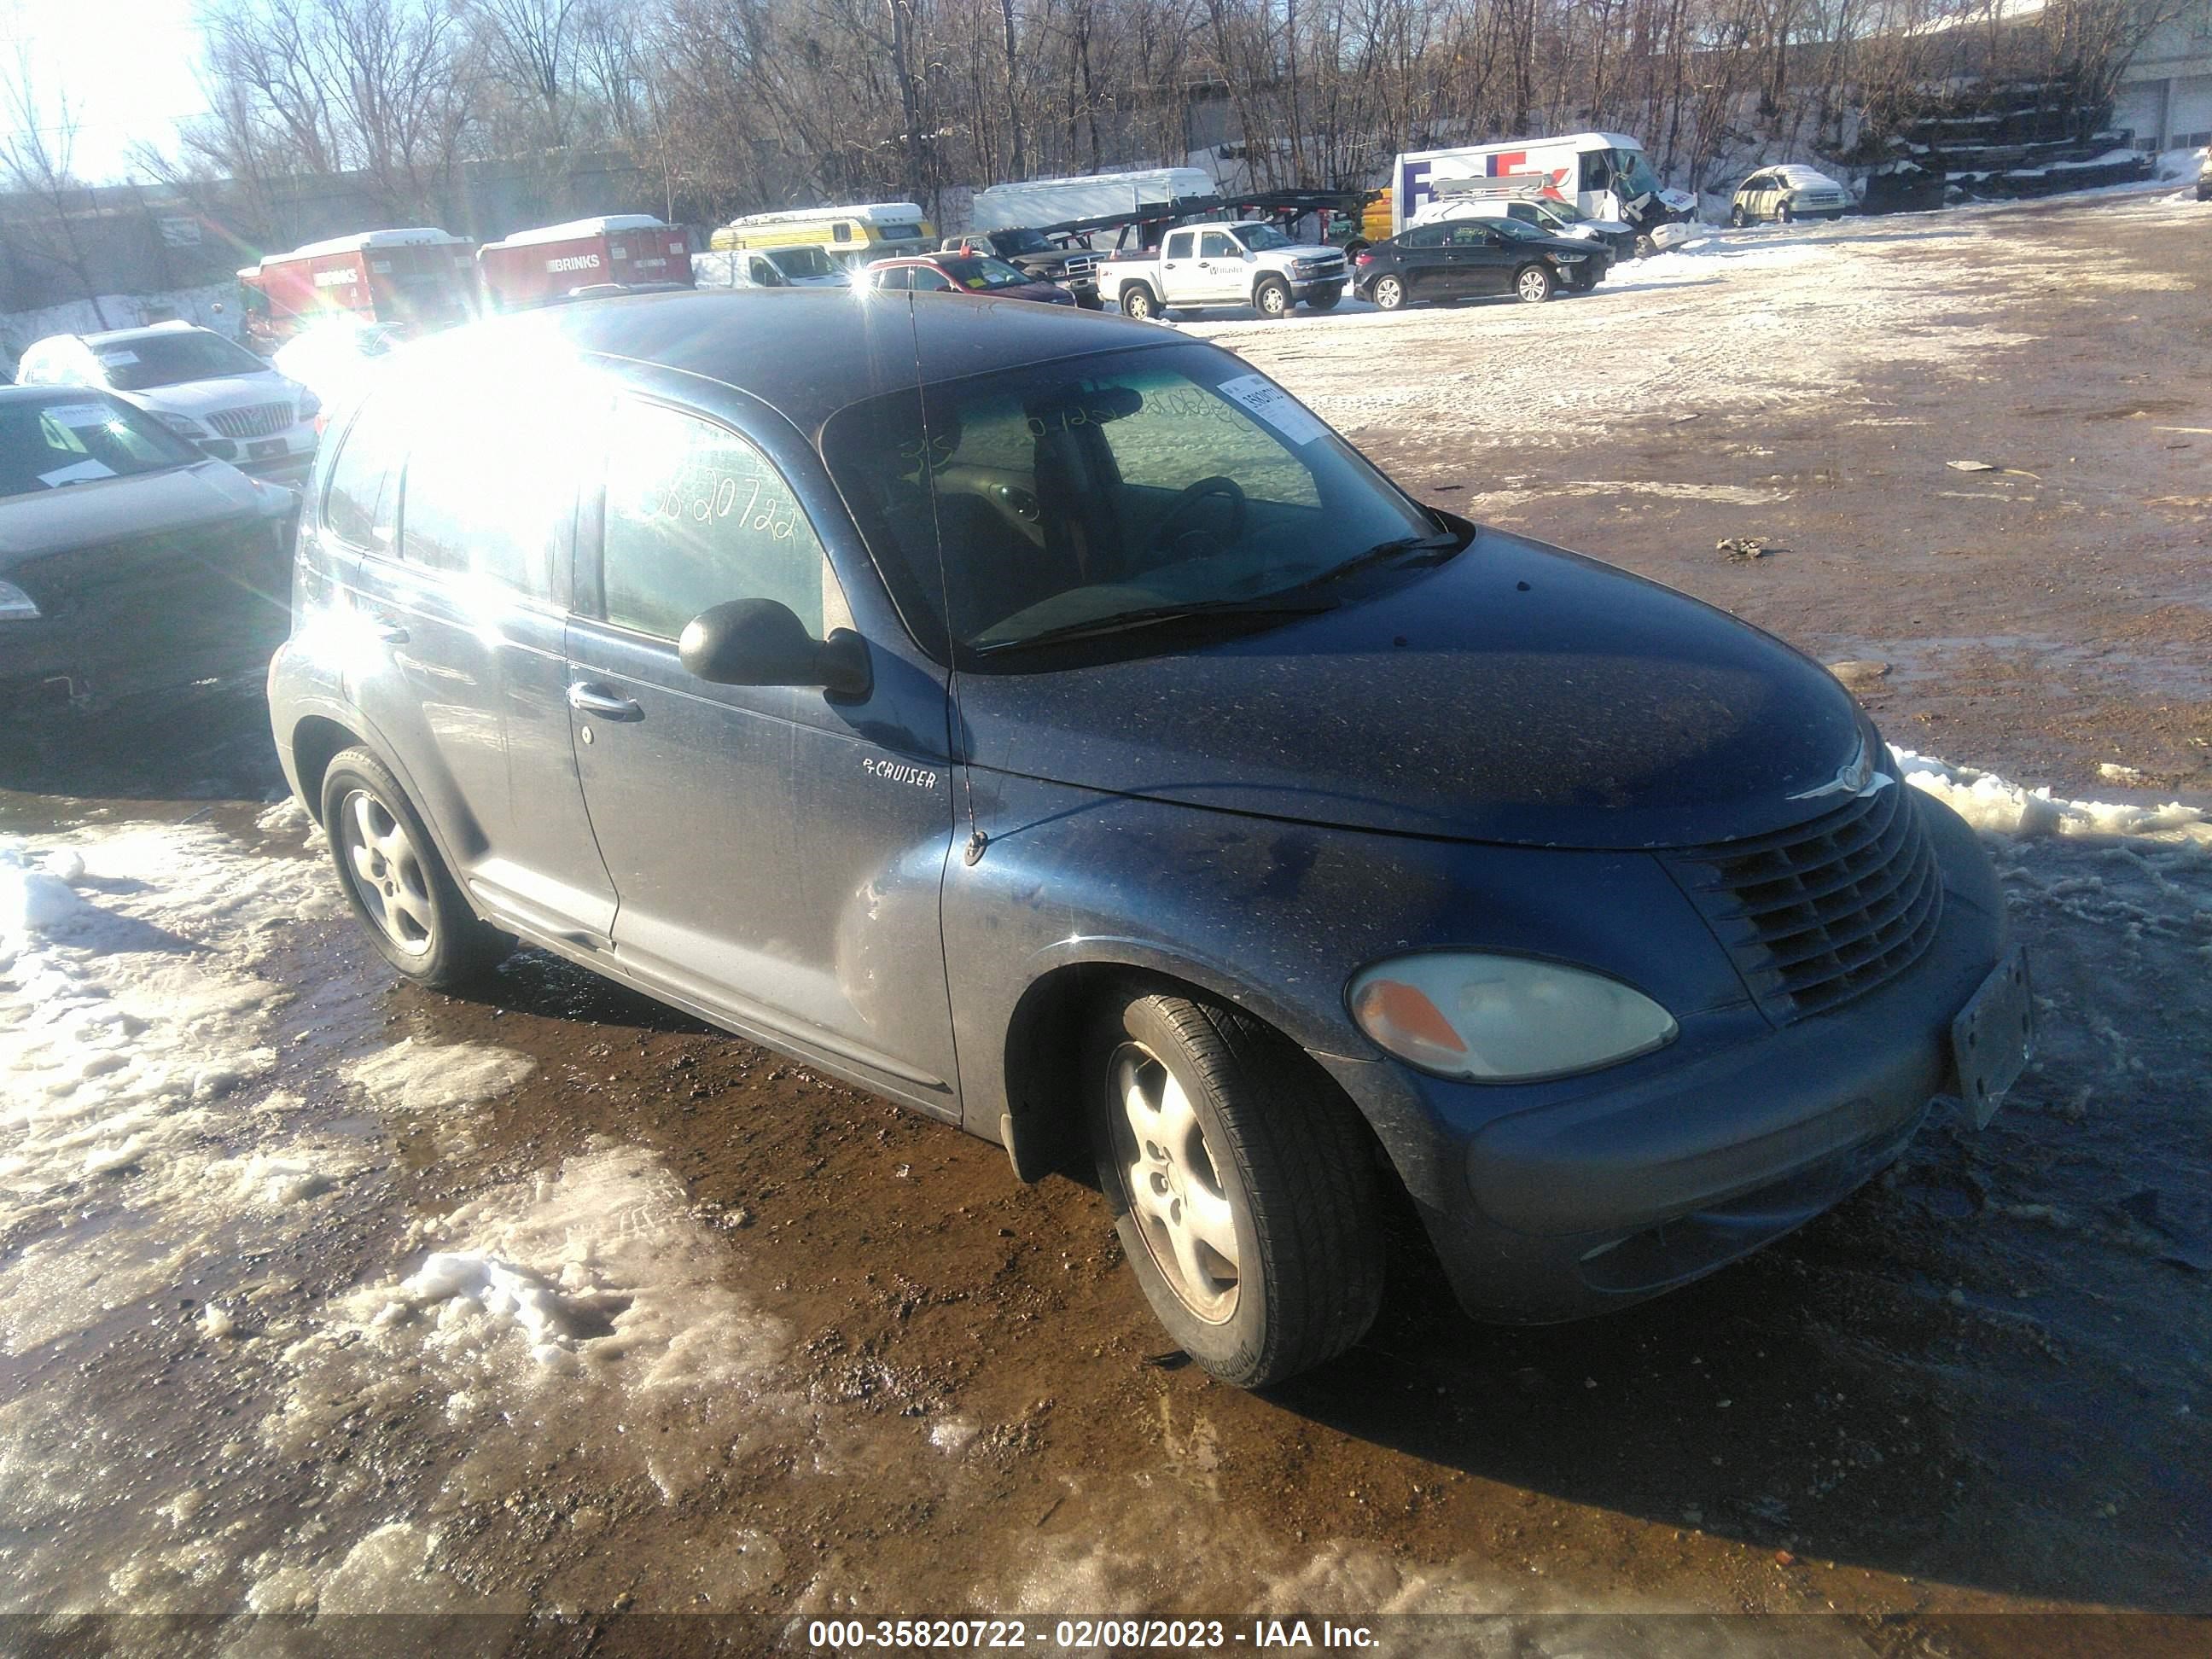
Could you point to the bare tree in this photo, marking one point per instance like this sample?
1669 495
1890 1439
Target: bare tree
36 157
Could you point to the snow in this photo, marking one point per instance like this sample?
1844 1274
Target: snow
414 1076
1998 806
19 329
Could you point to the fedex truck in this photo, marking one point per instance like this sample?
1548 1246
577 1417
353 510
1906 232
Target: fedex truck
1606 175
532 266
413 280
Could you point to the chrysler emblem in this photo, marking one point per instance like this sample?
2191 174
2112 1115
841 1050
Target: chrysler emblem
1857 776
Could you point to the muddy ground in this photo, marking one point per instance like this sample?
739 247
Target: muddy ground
844 1365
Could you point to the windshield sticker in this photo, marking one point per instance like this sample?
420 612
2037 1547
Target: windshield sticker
119 359
1273 405
80 415
75 472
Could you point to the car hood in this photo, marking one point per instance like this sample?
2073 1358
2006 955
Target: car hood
1518 694
117 509
229 391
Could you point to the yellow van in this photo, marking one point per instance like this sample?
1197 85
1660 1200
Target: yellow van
850 236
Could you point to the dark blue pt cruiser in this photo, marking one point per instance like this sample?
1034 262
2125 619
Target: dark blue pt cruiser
1043 720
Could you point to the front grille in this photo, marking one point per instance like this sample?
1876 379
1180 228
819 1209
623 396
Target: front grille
1080 265
253 420
1817 914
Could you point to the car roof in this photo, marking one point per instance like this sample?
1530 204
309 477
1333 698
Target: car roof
807 353
115 337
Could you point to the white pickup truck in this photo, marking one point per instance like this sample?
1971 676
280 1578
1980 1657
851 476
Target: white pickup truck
1232 262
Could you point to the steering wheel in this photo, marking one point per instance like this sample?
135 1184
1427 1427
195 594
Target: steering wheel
1229 489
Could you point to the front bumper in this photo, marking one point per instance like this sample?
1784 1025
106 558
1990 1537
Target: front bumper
1662 1171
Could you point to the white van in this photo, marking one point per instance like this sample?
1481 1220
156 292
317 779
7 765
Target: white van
1043 202
850 237
1606 175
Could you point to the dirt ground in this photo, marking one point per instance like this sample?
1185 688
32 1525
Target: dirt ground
811 1358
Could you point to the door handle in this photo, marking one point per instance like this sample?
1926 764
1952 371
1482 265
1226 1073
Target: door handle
586 698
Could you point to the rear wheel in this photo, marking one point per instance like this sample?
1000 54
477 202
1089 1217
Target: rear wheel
1137 302
1243 1186
1272 298
1735 217
1533 283
1388 293
395 881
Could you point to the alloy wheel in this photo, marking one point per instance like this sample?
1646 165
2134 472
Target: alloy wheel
1175 1193
1389 294
388 874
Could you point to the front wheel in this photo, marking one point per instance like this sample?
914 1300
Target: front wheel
1832 218
1644 247
1388 293
395 881
1137 302
1242 1187
1533 285
1272 299
1784 215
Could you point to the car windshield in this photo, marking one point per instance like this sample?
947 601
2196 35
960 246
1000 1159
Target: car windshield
1565 212
1263 238
979 273
1637 178
800 263
155 359
73 437
1068 495
1020 241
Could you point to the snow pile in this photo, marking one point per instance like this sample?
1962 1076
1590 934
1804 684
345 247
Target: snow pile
128 1032
583 1309
19 329
427 1077
1993 803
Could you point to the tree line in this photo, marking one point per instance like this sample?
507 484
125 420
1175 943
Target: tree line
732 106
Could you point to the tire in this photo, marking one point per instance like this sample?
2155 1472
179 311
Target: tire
1644 247
1735 217
1782 215
1533 284
1137 302
1199 1110
1832 218
1388 293
397 885
1272 298
1325 299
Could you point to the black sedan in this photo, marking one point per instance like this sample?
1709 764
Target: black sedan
1466 258
129 561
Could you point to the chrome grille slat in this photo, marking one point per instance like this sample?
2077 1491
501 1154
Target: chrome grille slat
251 421
1817 914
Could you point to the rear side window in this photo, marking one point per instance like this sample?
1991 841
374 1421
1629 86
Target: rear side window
695 516
490 488
1426 236
363 497
894 279
1179 245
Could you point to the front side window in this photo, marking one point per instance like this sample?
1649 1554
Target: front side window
1217 245
926 281
697 516
1068 493
71 438
840 232
800 263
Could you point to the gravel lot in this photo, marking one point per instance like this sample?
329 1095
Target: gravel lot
320 1294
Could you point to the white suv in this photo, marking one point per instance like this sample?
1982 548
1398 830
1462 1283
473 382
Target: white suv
200 385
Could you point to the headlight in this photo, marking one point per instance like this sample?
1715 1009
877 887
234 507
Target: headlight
183 425
1499 1020
17 605
1570 258
310 406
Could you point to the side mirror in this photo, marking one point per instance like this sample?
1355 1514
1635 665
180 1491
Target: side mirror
761 642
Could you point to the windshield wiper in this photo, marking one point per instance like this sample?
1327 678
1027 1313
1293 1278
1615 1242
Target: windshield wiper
1155 615
1444 541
